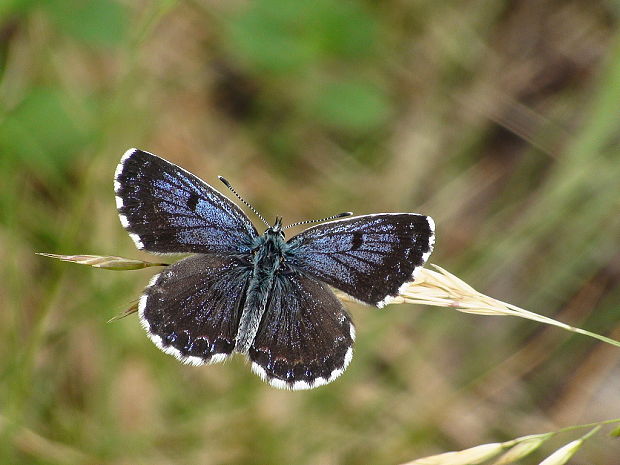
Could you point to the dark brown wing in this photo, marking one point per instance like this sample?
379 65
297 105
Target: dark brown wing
191 310
305 337
369 257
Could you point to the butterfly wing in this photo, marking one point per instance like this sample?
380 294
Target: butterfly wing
191 310
305 337
166 209
369 257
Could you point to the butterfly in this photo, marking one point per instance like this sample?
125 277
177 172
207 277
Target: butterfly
260 295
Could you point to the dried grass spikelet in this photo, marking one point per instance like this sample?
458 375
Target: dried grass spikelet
524 446
471 456
516 449
563 454
442 289
106 262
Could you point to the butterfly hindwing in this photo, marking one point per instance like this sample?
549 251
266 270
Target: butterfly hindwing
166 209
305 337
369 257
191 310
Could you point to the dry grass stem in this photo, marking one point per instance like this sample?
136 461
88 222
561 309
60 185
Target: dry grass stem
438 288
442 289
49 451
129 311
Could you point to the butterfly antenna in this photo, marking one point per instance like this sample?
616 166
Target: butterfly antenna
227 184
339 215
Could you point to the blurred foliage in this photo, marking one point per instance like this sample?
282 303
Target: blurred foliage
289 37
319 56
499 119
92 22
40 132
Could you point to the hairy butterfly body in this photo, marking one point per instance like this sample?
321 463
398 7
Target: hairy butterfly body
259 295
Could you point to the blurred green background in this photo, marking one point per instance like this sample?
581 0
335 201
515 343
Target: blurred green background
501 119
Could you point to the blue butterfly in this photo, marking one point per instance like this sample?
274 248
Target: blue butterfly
259 295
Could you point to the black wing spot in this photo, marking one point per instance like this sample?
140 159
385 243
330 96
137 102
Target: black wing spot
358 240
192 201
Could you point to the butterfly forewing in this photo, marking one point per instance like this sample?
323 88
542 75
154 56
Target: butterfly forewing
166 209
191 310
369 257
305 337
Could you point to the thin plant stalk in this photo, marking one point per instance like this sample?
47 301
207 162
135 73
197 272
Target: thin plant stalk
438 288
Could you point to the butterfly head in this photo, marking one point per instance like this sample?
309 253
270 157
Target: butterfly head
276 229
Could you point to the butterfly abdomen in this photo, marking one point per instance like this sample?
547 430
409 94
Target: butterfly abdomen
267 261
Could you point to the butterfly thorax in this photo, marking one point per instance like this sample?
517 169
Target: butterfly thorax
267 261
268 252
